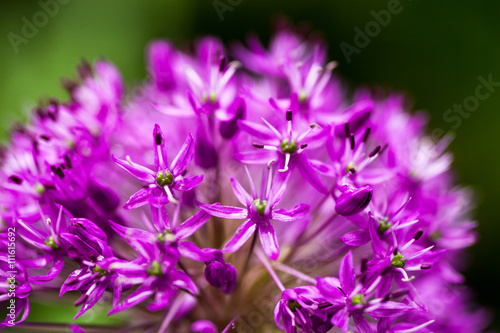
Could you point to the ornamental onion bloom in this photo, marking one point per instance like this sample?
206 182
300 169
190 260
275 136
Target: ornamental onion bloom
357 225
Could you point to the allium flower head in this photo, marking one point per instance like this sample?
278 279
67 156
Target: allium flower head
356 226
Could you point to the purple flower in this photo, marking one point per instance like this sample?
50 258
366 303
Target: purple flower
258 212
352 200
286 147
349 299
94 276
165 179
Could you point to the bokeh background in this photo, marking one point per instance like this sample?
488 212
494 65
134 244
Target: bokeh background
434 51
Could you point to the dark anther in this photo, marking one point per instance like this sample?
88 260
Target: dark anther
67 160
352 170
367 134
16 179
158 139
58 171
395 251
375 151
418 234
258 145
35 147
289 115
346 128
222 64
304 145
353 143
44 137
425 266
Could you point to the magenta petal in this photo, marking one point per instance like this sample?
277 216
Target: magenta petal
241 235
243 196
346 273
188 183
269 241
142 293
257 130
227 212
138 199
356 238
307 171
362 324
193 252
51 274
260 156
163 295
128 233
184 157
138 171
161 161
284 215
191 225
92 299
182 280
389 309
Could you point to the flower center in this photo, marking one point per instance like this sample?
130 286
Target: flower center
398 261
164 178
102 272
351 167
358 299
260 205
155 269
293 305
288 147
384 225
50 242
166 235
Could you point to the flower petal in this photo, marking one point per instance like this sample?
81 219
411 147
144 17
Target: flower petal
241 194
307 171
269 241
241 235
256 130
284 215
138 171
188 183
258 156
138 199
191 225
226 212
346 273
184 156
356 238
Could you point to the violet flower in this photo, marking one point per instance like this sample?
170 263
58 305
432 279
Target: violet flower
259 211
165 179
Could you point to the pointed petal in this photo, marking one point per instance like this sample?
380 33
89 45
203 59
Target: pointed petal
346 273
142 293
241 235
138 171
188 183
138 199
184 156
258 156
256 130
227 212
241 194
51 274
269 241
307 171
128 233
356 238
284 215
161 161
191 225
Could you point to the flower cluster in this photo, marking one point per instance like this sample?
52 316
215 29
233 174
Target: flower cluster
222 185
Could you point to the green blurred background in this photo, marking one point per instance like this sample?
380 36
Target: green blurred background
432 50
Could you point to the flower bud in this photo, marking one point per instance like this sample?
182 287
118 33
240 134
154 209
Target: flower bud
232 275
353 200
216 274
